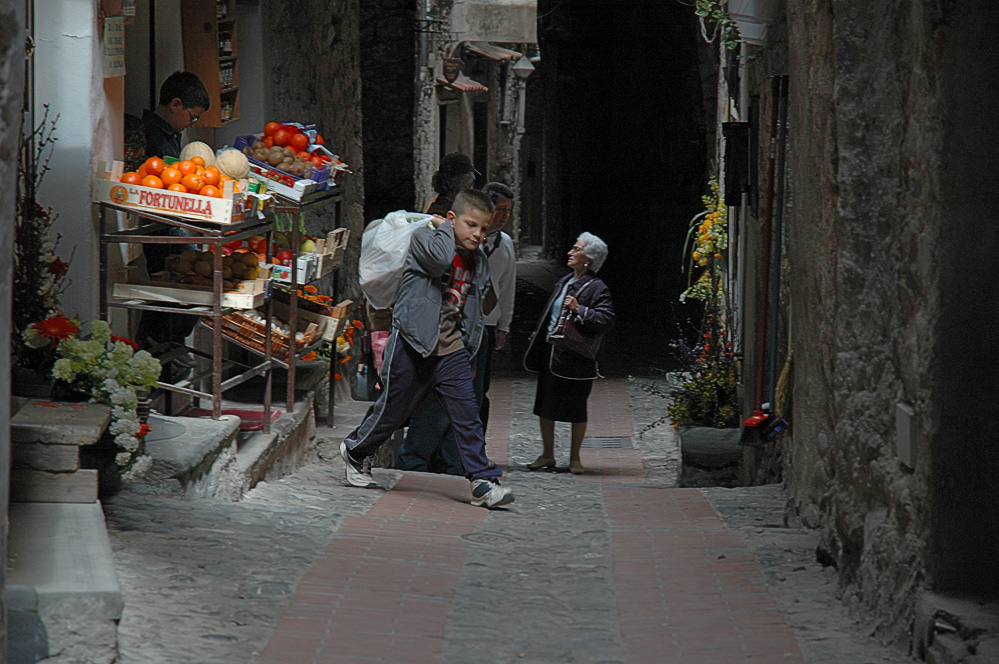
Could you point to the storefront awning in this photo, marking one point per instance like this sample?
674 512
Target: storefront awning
463 84
492 51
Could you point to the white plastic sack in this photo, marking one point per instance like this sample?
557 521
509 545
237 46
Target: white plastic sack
383 254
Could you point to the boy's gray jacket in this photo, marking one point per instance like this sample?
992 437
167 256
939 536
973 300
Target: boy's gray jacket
417 312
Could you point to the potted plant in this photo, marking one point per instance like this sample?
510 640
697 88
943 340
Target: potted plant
39 275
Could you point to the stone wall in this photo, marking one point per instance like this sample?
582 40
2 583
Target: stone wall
891 243
312 70
11 86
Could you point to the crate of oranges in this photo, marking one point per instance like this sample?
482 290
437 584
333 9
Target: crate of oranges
185 189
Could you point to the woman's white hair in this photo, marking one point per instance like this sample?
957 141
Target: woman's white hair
594 248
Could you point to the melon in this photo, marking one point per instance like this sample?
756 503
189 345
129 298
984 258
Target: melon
198 149
233 163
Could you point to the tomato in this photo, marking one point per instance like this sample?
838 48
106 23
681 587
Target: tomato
186 167
198 161
226 251
234 245
281 137
152 181
269 141
299 141
178 187
130 178
142 172
154 166
319 140
270 128
317 162
209 190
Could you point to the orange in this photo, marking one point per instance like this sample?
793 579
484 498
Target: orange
209 190
130 178
142 172
152 181
186 167
171 175
154 166
193 182
198 161
212 176
178 187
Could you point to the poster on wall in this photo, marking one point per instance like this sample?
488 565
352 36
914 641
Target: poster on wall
114 46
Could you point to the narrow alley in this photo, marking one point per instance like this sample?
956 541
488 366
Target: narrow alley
617 565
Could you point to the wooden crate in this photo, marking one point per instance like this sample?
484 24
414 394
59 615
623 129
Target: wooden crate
251 332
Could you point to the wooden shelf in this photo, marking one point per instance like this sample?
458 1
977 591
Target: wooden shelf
203 32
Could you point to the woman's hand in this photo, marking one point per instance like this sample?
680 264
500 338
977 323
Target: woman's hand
572 303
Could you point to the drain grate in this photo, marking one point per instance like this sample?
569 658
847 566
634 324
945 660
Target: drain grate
607 443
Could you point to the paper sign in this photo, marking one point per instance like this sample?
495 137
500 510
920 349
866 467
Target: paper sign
114 46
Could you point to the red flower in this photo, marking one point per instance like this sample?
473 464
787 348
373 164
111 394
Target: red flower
143 430
58 267
127 342
55 328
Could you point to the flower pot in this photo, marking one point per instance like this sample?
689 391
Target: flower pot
26 382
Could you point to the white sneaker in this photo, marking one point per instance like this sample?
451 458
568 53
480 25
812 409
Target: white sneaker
354 472
489 493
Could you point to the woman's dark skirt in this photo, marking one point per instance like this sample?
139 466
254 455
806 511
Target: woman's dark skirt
560 399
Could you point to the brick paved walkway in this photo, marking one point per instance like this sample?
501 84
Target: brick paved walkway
401 583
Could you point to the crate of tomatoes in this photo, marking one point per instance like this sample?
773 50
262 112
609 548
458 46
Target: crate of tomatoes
290 154
186 189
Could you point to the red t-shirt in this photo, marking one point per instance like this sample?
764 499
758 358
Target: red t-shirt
453 302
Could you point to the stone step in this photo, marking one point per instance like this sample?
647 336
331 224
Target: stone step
61 577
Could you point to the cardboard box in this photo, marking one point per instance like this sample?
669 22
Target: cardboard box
230 209
329 327
306 270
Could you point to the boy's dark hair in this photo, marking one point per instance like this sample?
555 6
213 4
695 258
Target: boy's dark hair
471 198
496 189
186 87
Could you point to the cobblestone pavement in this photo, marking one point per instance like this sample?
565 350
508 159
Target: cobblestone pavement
547 580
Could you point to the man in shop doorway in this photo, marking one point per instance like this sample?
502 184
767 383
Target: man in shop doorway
183 99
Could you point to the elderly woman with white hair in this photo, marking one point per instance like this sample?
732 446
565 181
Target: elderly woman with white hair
566 375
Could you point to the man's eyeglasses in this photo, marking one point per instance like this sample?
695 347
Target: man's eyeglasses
194 118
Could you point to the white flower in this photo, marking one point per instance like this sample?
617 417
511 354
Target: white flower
127 442
139 468
122 458
124 426
32 339
63 370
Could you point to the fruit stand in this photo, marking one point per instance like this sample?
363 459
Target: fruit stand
225 204
189 299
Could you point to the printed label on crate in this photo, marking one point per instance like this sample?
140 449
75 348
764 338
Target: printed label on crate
165 201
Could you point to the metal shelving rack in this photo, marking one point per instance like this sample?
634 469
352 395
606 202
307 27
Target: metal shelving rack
212 236
314 200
